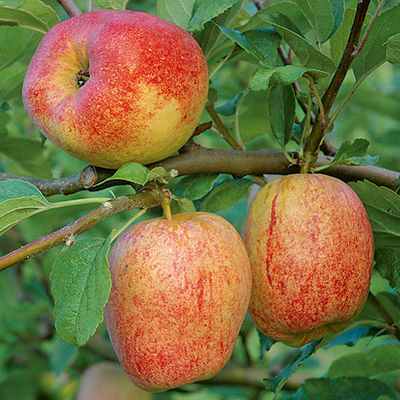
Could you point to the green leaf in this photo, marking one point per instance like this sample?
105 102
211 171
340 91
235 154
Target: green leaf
381 363
265 343
16 43
11 79
30 14
62 355
344 388
157 174
206 11
28 154
182 205
391 302
319 13
177 11
15 188
377 361
393 49
282 107
374 52
283 12
260 43
226 195
276 383
383 208
18 201
110 4
354 153
338 10
349 337
193 187
308 55
4 120
80 285
209 38
229 108
338 41
388 265
285 75
131 172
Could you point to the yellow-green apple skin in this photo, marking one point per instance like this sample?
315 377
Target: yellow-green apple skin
180 291
144 96
311 249
108 381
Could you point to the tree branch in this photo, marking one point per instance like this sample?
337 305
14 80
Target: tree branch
226 134
85 179
70 7
145 199
312 146
198 160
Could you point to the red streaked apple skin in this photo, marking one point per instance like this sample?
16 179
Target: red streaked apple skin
146 92
311 249
180 291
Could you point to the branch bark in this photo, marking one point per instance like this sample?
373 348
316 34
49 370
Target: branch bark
198 160
312 146
146 199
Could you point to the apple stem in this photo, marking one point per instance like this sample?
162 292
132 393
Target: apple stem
166 204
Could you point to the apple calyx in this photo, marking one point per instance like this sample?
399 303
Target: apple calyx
82 77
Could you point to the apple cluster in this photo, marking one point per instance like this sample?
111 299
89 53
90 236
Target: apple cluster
116 86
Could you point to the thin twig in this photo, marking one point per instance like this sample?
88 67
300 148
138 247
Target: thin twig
146 199
221 126
370 25
313 144
258 4
70 7
348 96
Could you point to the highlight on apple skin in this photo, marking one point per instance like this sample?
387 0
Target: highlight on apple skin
114 86
311 249
180 291
108 381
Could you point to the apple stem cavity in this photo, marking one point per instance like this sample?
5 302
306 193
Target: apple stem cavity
82 77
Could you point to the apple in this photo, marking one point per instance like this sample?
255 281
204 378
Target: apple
180 291
311 249
114 86
108 381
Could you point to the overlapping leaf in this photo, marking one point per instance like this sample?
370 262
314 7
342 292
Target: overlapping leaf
177 11
207 10
282 106
80 285
383 208
285 75
18 200
319 13
344 388
374 52
226 195
30 14
260 43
